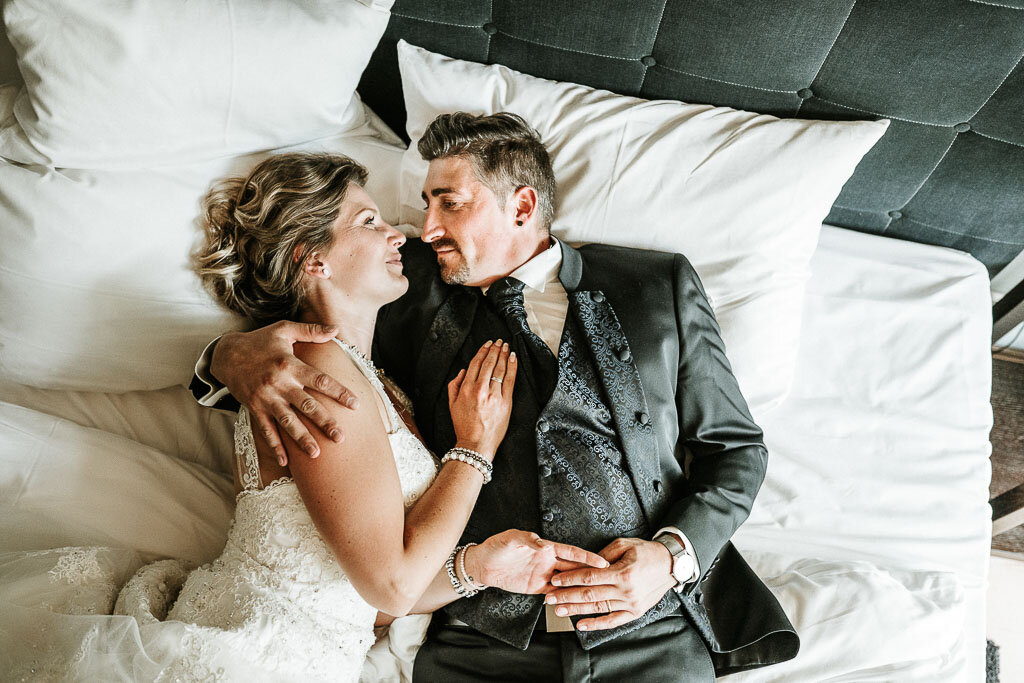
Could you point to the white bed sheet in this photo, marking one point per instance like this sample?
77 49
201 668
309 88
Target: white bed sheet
872 526
880 453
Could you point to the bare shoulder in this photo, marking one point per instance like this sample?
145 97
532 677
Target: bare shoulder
333 360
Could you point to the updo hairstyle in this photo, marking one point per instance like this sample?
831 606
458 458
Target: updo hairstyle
254 227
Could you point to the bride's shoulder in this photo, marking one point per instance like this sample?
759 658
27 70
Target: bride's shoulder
332 359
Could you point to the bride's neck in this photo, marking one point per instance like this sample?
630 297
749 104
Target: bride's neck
355 322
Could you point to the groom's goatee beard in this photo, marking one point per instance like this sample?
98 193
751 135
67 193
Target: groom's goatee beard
455 275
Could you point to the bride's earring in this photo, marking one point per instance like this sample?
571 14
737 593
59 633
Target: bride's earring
327 271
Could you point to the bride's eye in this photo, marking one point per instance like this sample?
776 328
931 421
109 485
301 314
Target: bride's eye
370 222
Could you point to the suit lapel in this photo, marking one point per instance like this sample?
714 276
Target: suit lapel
445 337
618 374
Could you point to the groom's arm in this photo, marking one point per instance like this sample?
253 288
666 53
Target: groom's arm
729 456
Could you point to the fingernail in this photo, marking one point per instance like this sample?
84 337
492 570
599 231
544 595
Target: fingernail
489 342
281 462
512 356
561 611
336 436
582 627
556 581
550 599
352 402
313 452
505 347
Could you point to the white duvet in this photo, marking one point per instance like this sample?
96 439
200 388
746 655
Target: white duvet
872 526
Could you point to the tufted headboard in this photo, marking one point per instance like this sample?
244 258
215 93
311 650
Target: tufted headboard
948 73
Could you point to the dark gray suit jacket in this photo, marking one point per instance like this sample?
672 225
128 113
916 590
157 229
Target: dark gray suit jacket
682 400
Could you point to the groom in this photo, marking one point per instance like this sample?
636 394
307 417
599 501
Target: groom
628 436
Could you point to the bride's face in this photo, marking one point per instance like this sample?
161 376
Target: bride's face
363 262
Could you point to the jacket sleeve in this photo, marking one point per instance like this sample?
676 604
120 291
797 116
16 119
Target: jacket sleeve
729 456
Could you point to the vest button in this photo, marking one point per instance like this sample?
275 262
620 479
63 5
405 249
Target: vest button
545 470
547 516
433 335
543 425
643 418
700 597
624 355
597 296
657 485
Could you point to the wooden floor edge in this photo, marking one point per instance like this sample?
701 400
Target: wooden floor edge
996 552
1012 355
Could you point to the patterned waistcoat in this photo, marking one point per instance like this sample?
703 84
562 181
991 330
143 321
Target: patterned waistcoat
559 472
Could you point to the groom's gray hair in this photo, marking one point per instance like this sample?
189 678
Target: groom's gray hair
506 153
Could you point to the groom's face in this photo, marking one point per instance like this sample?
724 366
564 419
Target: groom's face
471 233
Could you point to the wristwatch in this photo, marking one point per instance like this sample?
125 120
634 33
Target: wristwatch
683 565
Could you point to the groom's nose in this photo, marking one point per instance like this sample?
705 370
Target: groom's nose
432 228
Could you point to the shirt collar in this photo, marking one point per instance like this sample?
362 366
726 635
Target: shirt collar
540 270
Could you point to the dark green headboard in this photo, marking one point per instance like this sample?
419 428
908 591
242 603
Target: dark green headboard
948 73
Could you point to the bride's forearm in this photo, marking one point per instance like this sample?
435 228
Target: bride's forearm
438 594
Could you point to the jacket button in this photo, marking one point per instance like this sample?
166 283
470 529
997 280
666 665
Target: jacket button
624 355
648 60
433 335
545 470
657 485
700 597
597 296
543 425
490 29
643 418
547 516
805 93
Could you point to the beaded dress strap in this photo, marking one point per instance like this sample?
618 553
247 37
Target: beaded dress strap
371 372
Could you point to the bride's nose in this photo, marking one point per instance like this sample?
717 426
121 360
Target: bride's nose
395 237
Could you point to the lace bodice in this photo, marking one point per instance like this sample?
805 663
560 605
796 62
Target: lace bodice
277 590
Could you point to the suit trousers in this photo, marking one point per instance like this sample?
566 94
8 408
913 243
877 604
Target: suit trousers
668 650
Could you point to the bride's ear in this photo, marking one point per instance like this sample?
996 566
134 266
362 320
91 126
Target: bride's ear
315 266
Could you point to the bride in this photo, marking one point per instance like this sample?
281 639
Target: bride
321 549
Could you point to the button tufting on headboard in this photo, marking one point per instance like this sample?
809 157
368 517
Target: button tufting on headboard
948 73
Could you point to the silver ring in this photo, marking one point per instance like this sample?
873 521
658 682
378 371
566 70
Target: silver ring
499 380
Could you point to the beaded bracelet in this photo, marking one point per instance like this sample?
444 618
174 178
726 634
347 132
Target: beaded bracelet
473 584
471 458
449 566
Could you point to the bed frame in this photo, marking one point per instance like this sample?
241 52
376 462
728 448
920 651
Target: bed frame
948 73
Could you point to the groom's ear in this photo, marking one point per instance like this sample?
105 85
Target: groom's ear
524 204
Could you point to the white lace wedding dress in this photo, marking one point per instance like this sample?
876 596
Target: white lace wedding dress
275 605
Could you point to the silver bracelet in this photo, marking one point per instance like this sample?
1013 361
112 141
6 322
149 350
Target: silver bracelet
473 584
449 566
471 458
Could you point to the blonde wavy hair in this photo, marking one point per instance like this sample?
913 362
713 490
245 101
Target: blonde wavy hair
255 227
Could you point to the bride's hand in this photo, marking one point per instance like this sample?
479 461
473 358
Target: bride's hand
480 398
523 562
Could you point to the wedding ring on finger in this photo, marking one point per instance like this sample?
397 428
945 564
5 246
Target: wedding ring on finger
499 380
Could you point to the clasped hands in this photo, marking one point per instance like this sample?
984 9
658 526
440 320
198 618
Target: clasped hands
619 584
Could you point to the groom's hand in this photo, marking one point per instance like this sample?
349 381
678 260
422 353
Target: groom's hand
639 575
523 562
260 369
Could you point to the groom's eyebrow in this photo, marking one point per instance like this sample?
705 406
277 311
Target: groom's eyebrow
437 192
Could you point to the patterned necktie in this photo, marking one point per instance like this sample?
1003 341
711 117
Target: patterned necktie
535 358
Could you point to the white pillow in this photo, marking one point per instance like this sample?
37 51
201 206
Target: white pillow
133 83
741 195
96 289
